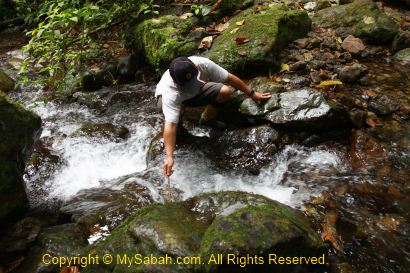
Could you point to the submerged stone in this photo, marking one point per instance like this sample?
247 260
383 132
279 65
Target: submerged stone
102 130
261 45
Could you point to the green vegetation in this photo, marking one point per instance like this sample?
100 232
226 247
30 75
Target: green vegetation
71 34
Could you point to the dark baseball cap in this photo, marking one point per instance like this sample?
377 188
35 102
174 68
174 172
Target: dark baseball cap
184 73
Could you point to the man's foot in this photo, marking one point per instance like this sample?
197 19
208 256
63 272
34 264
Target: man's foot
214 124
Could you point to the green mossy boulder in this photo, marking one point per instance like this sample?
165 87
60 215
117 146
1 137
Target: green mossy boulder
19 129
268 31
224 222
362 18
162 39
403 56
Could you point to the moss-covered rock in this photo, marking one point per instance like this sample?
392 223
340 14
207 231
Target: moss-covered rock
19 129
268 31
162 39
58 241
403 56
362 18
224 222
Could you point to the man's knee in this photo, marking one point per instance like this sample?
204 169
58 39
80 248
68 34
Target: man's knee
224 94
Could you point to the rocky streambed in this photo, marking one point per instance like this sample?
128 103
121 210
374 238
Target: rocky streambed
320 168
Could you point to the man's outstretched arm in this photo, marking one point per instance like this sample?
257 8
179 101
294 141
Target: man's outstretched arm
170 134
239 84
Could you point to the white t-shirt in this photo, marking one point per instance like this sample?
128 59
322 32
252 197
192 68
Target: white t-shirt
172 97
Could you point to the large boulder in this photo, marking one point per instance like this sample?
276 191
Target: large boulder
255 38
162 39
301 109
224 223
6 83
19 129
111 204
362 18
57 241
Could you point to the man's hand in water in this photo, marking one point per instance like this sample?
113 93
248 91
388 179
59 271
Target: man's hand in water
169 162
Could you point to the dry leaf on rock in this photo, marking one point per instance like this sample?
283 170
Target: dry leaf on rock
240 23
234 30
242 52
330 83
206 43
222 26
241 40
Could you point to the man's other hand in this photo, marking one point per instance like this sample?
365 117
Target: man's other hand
169 162
257 97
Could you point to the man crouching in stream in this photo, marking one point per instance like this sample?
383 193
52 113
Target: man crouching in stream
192 82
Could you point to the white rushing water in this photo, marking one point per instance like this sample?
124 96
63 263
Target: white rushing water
89 161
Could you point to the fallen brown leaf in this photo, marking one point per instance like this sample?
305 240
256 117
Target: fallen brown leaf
242 52
234 30
206 43
240 23
329 234
222 26
241 40
216 5
371 122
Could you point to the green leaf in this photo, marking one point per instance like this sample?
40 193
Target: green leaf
206 10
74 19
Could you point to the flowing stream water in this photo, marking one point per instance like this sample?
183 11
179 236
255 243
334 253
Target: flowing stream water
89 160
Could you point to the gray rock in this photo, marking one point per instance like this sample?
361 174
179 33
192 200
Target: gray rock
383 105
102 130
300 107
301 65
107 206
352 73
353 45
246 149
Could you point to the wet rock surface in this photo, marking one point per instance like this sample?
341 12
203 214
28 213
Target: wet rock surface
300 108
206 223
102 130
108 206
245 150
19 129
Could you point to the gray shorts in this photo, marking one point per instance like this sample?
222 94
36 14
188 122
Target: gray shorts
208 95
